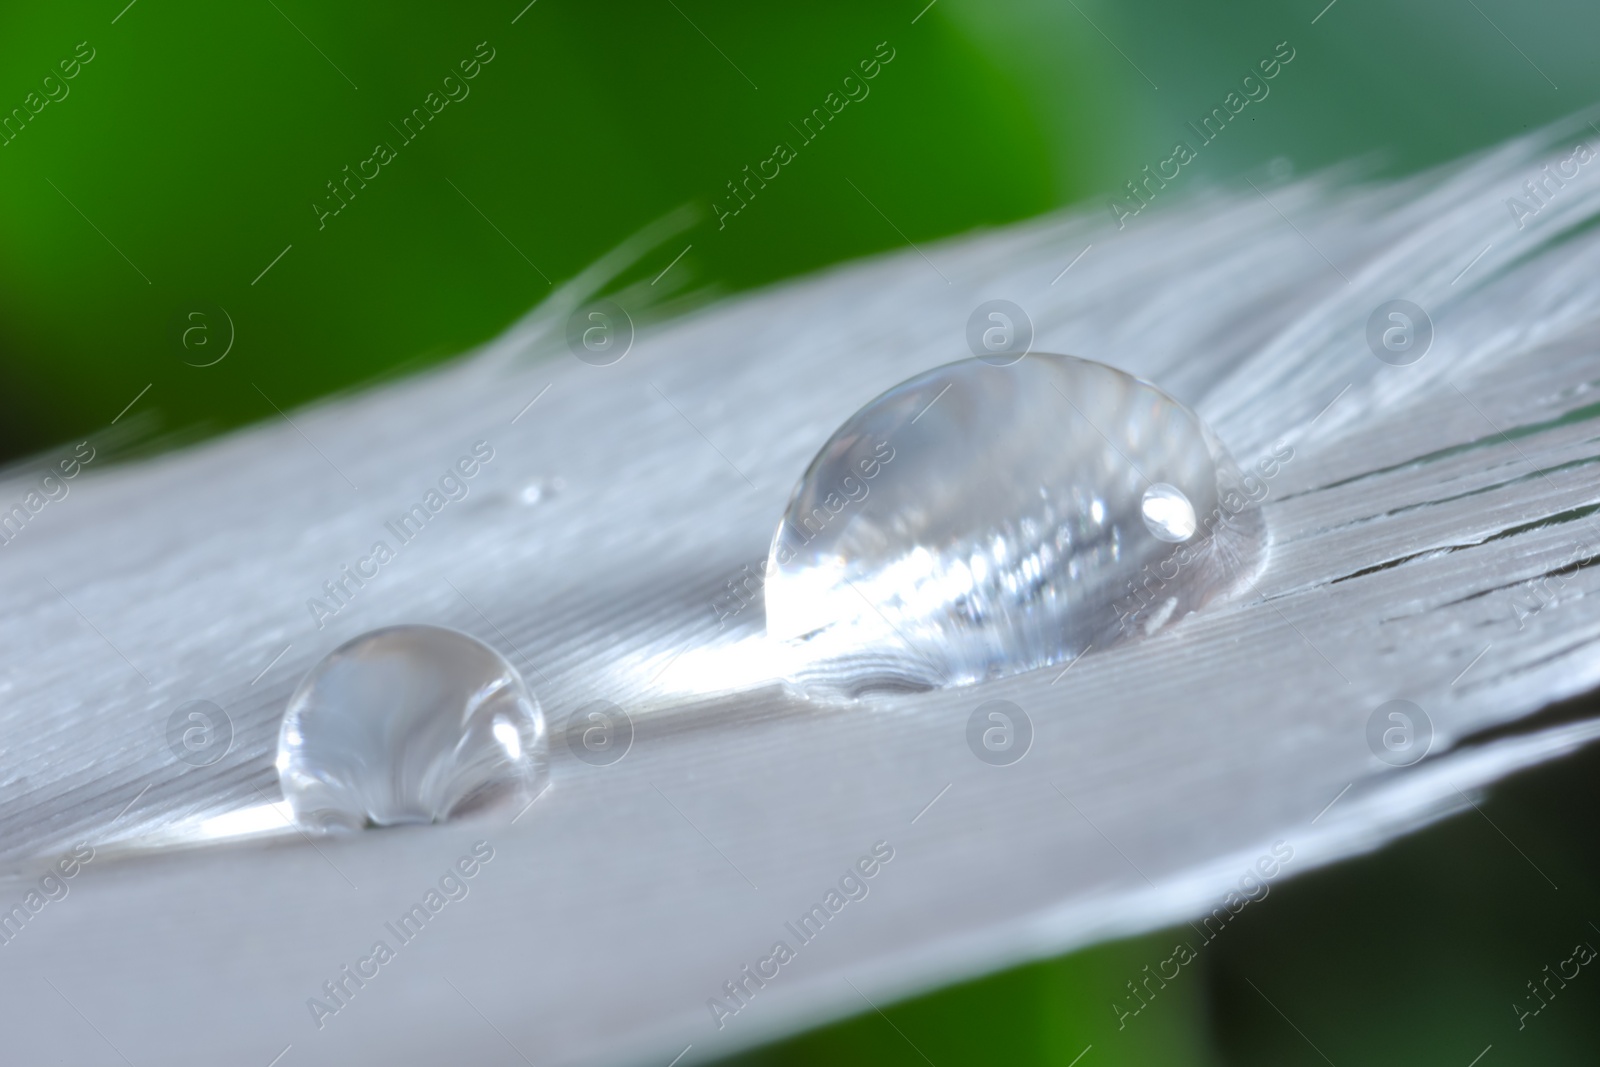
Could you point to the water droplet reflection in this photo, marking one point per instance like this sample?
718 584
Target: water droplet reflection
1167 513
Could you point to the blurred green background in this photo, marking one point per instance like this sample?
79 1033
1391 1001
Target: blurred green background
186 156
176 171
1419 955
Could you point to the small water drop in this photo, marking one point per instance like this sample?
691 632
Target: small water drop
541 489
977 521
409 724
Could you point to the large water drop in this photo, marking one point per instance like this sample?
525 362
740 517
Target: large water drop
409 724
977 521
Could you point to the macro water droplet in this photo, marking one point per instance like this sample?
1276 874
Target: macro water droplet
978 520
409 724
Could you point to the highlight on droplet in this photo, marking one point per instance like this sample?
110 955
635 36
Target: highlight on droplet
1167 513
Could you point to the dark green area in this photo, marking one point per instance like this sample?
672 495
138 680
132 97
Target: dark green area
189 152
1417 955
1046 1014
1412 956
